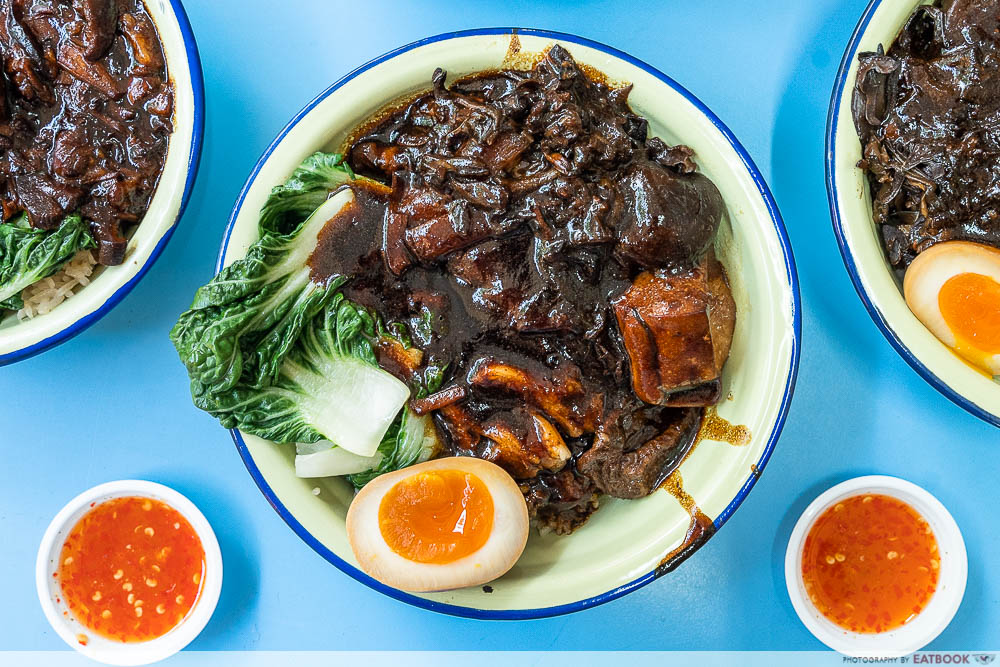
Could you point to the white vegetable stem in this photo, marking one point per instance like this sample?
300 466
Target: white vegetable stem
324 459
349 401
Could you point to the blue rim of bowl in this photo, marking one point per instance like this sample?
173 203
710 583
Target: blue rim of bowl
194 158
765 193
845 251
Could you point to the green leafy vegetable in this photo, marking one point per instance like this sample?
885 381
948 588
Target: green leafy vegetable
303 192
275 352
329 387
411 439
243 323
27 254
325 459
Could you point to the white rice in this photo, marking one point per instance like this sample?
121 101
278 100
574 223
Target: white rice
47 293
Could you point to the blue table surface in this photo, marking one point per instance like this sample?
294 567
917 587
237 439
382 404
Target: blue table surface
113 403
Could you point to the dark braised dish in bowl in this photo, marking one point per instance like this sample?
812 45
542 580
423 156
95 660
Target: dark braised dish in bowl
512 250
85 119
927 112
928 115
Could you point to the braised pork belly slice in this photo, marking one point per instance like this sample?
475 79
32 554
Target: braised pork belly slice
677 329
561 397
524 443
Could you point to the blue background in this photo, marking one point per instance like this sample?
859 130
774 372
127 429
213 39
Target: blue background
113 402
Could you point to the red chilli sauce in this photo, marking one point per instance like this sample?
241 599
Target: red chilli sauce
870 563
131 569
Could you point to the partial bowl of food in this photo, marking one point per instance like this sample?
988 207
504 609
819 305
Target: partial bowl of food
129 572
912 182
101 127
876 567
510 245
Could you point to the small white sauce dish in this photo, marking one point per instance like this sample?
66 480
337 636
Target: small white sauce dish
105 650
940 609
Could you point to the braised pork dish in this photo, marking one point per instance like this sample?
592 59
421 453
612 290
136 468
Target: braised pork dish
85 118
518 255
928 115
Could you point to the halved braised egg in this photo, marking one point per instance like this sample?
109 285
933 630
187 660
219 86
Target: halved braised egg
954 289
444 524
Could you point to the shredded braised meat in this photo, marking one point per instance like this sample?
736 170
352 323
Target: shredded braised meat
558 262
85 114
928 115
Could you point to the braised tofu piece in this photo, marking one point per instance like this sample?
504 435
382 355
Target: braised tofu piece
677 329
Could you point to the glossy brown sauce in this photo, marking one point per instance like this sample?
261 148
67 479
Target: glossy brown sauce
926 113
714 427
85 114
700 529
506 242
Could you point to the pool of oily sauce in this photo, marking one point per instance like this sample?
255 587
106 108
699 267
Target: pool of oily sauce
702 527
451 327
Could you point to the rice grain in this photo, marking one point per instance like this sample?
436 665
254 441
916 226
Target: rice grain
41 297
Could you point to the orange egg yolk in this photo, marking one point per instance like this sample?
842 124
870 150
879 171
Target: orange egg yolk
970 306
438 516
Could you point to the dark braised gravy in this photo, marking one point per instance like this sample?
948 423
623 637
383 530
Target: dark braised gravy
928 115
85 114
557 263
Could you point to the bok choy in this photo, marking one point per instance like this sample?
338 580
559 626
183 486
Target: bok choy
306 189
243 323
277 352
329 386
411 439
27 254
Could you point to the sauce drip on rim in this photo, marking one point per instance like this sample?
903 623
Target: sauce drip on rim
870 563
437 516
131 569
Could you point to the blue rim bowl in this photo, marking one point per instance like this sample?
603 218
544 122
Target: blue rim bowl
891 330
758 467
194 157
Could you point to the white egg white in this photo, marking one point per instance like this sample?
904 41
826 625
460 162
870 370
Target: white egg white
501 550
931 270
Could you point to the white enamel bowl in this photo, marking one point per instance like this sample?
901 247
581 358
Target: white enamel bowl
105 650
942 606
623 544
109 285
851 210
